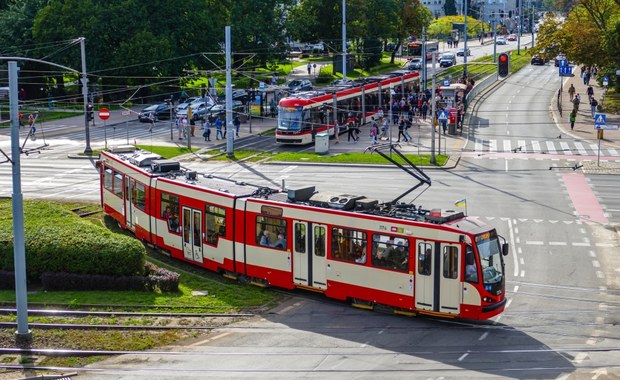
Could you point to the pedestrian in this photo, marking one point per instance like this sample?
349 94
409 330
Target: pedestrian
374 131
152 121
385 130
576 102
218 128
571 118
590 93
401 129
424 110
179 126
593 104
408 124
309 69
237 125
207 130
184 126
336 132
571 92
351 129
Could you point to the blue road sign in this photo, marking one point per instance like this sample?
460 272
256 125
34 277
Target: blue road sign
600 120
443 115
446 82
566 70
605 81
563 63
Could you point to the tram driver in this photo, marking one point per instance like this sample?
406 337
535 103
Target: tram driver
471 271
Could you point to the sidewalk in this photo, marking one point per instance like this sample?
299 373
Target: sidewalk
584 123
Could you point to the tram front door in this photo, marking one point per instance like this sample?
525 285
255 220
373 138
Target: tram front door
437 283
192 234
309 259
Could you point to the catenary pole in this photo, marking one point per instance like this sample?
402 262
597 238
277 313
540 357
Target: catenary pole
433 111
88 149
231 133
19 249
344 39
465 45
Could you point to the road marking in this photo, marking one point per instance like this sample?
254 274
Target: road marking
210 339
605 245
484 336
582 151
522 273
557 243
600 274
535 146
551 147
529 242
596 264
514 253
580 244
507 146
463 356
565 148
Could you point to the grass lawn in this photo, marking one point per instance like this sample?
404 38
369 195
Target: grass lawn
167 151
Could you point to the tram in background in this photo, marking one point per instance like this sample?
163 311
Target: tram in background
414 49
346 246
302 115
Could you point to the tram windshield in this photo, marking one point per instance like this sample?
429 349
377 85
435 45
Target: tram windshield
491 260
289 118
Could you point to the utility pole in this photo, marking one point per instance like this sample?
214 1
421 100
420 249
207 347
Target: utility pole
520 26
434 113
424 70
19 245
87 150
344 39
231 133
464 46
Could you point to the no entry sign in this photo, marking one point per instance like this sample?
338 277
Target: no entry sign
104 114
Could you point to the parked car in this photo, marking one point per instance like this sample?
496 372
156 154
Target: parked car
500 41
561 57
538 60
158 111
183 106
199 107
219 110
512 37
240 95
447 60
415 64
299 85
461 52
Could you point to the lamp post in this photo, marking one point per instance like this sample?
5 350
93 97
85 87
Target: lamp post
464 46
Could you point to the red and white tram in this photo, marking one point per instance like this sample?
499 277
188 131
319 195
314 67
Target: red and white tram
303 115
346 246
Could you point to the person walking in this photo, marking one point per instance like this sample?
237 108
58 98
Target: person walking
179 126
590 93
336 132
593 105
571 118
351 129
401 129
152 121
576 102
571 92
408 124
218 128
207 130
374 131
184 126
237 124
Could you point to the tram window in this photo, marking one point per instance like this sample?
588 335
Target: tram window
139 196
471 269
347 244
300 237
425 258
108 179
390 252
118 184
169 206
215 223
450 262
269 230
319 241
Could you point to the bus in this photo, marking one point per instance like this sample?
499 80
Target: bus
414 49
302 115
384 254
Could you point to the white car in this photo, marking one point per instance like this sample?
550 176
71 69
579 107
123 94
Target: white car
500 41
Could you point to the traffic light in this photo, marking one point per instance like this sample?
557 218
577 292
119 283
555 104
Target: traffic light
90 113
503 65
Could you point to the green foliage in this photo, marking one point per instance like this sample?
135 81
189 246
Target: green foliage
57 240
167 151
449 8
372 53
443 26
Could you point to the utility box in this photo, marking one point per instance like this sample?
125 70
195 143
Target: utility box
321 143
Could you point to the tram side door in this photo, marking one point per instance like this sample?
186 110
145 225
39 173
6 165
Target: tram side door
301 262
319 257
450 297
130 187
192 234
425 273
309 259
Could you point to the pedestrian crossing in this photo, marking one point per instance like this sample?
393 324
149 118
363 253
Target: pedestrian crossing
556 147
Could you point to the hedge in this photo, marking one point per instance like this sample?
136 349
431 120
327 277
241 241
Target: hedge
59 241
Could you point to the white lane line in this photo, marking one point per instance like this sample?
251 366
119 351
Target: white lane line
533 242
535 146
557 243
514 251
507 147
484 336
463 356
580 244
210 339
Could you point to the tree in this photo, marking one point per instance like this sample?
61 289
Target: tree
413 17
449 8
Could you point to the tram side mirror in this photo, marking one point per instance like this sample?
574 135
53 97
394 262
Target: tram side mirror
505 249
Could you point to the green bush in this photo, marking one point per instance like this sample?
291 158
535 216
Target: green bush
57 240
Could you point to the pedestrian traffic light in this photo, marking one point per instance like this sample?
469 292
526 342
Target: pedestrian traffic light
90 113
503 65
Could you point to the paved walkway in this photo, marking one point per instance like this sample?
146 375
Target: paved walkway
584 124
